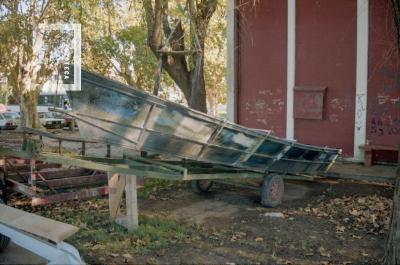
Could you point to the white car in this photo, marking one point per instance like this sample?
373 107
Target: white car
9 120
51 120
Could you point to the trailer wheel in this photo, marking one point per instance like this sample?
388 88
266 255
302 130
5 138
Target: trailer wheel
4 241
201 186
272 190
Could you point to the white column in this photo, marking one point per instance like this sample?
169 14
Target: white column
230 76
291 60
361 79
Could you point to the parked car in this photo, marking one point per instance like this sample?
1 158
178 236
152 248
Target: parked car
9 120
52 120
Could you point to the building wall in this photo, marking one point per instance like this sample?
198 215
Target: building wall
261 79
326 42
327 54
383 116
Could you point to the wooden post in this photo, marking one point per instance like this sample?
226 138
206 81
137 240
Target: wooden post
368 157
116 185
3 176
132 217
59 146
392 250
108 151
33 174
5 167
83 148
72 125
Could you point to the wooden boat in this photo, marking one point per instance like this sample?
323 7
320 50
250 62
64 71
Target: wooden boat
115 113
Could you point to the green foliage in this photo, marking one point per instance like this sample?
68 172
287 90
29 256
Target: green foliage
152 186
215 55
114 41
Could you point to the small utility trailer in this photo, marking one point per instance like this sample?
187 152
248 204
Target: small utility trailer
43 172
180 143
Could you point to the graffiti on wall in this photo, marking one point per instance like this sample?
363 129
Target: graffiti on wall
385 106
263 108
381 127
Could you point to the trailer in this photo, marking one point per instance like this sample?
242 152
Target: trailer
160 139
35 173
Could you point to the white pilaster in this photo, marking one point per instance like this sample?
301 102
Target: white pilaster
291 60
230 75
361 79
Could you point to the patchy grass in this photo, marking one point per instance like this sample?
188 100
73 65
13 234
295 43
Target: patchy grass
153 186
98 236
152 234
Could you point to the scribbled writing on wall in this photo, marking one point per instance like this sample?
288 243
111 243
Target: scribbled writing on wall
260 110
360 111
385 105
381 127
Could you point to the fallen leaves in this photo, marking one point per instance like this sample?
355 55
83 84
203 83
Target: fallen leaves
127 256
323 252
340 228
259 239
370 214
98 247
237 235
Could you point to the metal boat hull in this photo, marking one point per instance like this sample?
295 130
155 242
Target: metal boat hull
114 113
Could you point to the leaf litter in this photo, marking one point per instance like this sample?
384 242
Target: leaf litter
370 214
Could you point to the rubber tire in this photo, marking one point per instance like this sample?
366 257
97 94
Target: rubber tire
269 199
201 186
4 241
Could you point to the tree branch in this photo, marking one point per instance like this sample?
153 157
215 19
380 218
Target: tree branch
396 14
174 64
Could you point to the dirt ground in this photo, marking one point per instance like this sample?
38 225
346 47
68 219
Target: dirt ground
317 223
226 226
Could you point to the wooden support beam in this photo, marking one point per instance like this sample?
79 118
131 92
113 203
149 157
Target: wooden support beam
35 224
59 146
50 174
68 196
33 174
132 216
69 182
108 151
83 151
116 185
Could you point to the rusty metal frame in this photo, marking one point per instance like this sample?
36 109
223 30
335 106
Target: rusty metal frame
28 183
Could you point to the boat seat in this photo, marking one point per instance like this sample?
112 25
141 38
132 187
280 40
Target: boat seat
35 224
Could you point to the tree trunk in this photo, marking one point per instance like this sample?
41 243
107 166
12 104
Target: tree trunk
198 95
28 108
190 80
212 103
392 250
